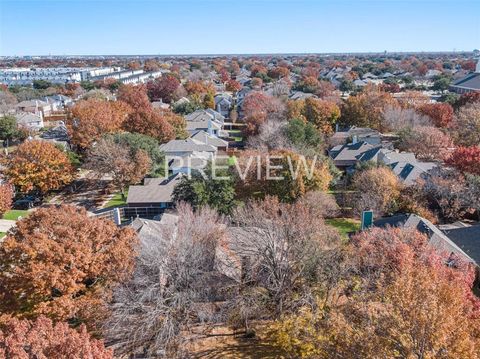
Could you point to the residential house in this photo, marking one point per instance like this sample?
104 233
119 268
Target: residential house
184 155
347 156
155 192
469 83
223 104
299 95
356 134
436 237
37 107
59 102
57 135
208 139
29 121
207 120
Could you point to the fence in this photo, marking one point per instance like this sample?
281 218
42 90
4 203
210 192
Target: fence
125 215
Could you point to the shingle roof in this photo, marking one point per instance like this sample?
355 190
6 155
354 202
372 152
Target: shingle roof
204 137
468 239
436 237
157 190
471 82
187 145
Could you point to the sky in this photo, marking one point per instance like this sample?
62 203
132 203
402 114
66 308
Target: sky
166 27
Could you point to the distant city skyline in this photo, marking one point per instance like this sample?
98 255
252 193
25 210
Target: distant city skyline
211 27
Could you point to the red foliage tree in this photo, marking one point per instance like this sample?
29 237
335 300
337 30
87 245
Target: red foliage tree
43 339
163 88
440 113
466 159
467 98
135 96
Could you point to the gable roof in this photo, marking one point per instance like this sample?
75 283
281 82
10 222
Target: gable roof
469 82
187 145
436 237
155 190
468 239
207 139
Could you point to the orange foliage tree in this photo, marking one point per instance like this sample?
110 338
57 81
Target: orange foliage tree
401 301
60 262
366 108
44 339
440 113
6 195
93 118
38 166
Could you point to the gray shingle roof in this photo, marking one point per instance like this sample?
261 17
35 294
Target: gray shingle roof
156 190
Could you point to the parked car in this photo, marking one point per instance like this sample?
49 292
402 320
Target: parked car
27 202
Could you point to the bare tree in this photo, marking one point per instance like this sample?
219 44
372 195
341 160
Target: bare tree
397 118
122 163
175 273
282 244
271 136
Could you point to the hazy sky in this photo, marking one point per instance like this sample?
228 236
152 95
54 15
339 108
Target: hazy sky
86 27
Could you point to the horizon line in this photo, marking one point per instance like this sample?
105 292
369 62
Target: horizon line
253 54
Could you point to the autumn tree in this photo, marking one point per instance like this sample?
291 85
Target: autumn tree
125 164
426 142
154 123
401 300
440 113
61 262
135 96
366 108
450 194
323 114
466 99
151 65
7 101
233 86
377 189
466 125
258 107
283 173
44 339
163 88
466 159
93 118
38 166
136 142
6 196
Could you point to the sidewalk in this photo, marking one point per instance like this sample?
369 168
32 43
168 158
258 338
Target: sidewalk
6 224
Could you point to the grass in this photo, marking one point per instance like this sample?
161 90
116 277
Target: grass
13 214
344 225
117 200
236 135
2 234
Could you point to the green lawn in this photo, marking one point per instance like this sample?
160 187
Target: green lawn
13 214
236 135
2 234
344 225
117 200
